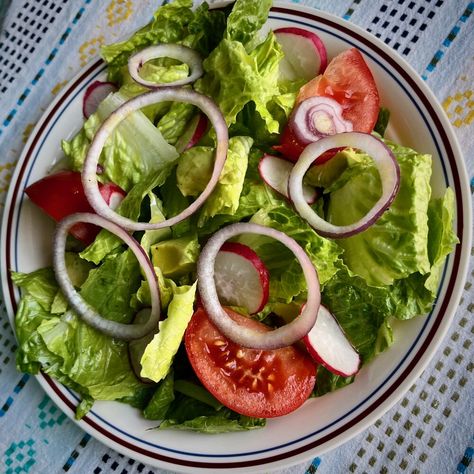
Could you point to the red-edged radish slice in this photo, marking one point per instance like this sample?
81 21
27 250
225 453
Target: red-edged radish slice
241 278
247 337
113 194
193 133
328 345
305 54
276 171
136 347
95 94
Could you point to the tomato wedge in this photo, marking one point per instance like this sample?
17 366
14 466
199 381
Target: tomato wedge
256 383
62 194
348 80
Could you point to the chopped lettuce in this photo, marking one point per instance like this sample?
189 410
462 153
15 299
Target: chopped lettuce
194 171
161 399
189 413
224 199
390 271
91 363
246 19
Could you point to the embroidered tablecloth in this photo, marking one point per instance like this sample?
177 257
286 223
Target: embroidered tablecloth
44 43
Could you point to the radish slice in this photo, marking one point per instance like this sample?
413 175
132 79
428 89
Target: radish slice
245 336
241 278
384 161
276 171
79 305
89 177
112 194
328 345
305 54
95 94
194 132
174 51
318 117
137 347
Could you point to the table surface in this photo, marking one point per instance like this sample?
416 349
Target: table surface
44 44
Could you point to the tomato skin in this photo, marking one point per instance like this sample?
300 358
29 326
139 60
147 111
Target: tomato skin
348 80
256 383
62 194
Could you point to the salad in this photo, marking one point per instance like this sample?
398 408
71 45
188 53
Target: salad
235 234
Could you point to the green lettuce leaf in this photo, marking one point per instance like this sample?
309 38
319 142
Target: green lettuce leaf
234 77
246 19
158 356
91 363
161 400
130 207
225 197
188 413
441 236
286 277
135 149
175 22
396 245
362 311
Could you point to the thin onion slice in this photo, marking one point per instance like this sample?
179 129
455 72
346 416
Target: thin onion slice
82 308
318 117
174 51
246 337
385 163
89 178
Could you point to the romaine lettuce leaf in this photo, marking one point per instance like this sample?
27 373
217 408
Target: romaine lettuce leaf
286 277
361 310
159 354
130 207
234 77
396 245
161 400
225 197
175 22
94 365
246 19
188 413
135 149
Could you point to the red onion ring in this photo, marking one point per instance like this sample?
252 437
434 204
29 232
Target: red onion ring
246 337
385 163
80 306
304 120
174 51
89 178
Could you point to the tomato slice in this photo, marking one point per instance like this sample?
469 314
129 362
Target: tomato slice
62 194
252 382
348 80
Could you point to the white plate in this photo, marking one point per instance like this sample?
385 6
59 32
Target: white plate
323 423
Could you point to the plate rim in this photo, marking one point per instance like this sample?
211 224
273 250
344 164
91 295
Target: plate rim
389 398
